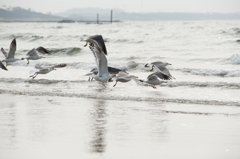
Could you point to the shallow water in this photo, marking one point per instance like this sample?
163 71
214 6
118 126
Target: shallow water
62 115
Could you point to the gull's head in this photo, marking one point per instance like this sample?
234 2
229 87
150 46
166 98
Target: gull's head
132 76
166 63
146 65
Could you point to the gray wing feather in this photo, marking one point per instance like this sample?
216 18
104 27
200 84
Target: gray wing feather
32 52
12 50
100 41
4 52
2 66
60 65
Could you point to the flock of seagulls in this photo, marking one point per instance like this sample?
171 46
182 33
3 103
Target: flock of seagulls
102 73
105 74
31 55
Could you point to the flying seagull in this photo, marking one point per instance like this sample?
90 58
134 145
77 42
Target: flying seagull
45 69
32 54
9 57
2 66
113 71
163 72
98 48
123 77
152 80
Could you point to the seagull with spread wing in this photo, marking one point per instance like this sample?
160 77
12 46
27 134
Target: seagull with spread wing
98 48
162 71
9 57
45 69
32 54
152 80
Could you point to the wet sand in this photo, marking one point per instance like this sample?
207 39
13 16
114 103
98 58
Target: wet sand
69 127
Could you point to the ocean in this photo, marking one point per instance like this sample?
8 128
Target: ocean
63 115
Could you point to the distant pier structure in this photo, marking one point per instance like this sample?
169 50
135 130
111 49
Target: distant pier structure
93 21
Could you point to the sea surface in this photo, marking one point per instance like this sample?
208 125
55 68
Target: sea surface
63 115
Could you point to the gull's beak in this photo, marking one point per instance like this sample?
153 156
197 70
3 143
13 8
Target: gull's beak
43 57
165 82
146 65
19 59
169 64
55 69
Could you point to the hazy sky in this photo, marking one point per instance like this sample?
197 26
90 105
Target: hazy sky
55 6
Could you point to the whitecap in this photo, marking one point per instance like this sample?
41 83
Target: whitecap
234 59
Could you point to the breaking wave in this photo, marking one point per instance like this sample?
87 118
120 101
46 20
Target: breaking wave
208 72
234 59
119 98
67 51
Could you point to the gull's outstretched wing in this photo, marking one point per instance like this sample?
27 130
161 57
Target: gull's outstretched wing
12 50
152 77
161 68
39 67
100 41
2 66
161 76
42 50
32 52
60 65
4 52
101 59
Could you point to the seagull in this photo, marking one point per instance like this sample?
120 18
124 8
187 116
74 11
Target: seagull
152 80
98 48
9 57
162 71
157 63
32 55
2 66
123 77
46 69
113 71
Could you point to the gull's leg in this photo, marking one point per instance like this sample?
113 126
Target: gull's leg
152 68
28 61
86 44
91 79
88 78
115 84
32 75
35 76
6 64
104 85
154 87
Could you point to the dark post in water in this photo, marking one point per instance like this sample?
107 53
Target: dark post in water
97 19
111 16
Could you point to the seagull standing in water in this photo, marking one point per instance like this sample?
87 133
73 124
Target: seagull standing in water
98 48
32 54
9 57
45 69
